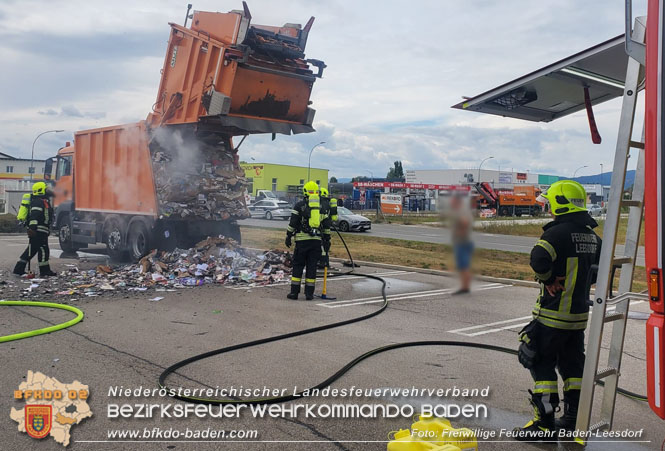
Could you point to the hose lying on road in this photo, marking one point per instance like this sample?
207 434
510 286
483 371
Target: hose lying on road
279 399
45 330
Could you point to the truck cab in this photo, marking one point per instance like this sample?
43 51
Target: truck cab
63 189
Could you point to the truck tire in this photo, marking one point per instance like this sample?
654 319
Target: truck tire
505 211
139 242
65 234
114 231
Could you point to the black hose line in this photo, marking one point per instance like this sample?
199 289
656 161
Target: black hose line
280 399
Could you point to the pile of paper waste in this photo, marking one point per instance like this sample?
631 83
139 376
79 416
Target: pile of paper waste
216 260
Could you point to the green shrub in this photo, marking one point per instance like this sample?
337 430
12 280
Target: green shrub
9 224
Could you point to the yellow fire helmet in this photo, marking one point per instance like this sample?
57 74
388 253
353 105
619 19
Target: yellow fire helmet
564 197
324 192
310 188
39 189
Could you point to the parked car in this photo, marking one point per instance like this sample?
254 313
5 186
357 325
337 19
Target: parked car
348 221
270 209
595 210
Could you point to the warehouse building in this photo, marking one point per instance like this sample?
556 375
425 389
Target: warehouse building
284 180
15 180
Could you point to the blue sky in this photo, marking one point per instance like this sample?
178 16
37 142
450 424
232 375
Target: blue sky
394 70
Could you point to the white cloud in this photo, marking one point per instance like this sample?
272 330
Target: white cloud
394 70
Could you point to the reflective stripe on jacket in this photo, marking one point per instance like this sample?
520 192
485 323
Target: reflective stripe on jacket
564 254
40 214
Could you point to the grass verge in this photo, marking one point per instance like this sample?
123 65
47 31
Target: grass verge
417 254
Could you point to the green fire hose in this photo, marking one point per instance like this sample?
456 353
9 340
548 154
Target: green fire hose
44 330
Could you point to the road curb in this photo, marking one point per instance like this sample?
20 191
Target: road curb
437 272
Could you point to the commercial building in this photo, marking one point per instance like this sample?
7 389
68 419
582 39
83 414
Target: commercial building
497 178
18 171
284 180
15 179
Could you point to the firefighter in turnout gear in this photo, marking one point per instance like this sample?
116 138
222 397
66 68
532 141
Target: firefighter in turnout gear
328 212
308 228
39 228
562 260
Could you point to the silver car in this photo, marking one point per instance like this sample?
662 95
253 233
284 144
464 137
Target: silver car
595 210
348 221
270 209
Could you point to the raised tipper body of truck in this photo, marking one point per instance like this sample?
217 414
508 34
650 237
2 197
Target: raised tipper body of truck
174 178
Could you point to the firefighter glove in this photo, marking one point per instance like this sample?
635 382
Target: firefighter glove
288 241
526 353
31 233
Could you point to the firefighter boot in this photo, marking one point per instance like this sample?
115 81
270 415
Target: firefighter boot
45 271
295 289
19 269
571 399
541 428
309 292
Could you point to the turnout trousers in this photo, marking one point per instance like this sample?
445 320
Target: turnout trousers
305 258
562 350
38 244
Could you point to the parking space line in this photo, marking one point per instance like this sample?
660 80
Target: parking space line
519 322
498 329
480 326
330 279
388 296
404 296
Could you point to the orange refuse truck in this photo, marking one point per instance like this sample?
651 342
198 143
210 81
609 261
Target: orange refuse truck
174 178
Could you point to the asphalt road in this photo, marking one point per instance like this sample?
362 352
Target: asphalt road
432 234
128 341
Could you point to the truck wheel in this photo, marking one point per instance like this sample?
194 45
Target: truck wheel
65 234
138 241
114 245
505 211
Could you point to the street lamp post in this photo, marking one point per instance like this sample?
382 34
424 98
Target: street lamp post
602 190
581 167
309 160
481 163
32 155
371 174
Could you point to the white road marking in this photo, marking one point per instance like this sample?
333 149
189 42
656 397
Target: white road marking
404 296
498 329
480 326
388 296
330 279
519 322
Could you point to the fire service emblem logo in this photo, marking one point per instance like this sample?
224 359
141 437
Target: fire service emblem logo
37 420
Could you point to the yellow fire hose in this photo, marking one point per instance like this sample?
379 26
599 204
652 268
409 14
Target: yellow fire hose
45 330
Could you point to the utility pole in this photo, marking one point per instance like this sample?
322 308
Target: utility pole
602 190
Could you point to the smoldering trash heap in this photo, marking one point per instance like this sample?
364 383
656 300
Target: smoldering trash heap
215 260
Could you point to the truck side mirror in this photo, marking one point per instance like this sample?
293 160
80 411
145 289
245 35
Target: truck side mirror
48 168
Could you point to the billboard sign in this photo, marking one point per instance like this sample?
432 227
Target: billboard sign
391 204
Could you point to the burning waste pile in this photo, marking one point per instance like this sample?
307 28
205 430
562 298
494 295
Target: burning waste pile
198 180
216 260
